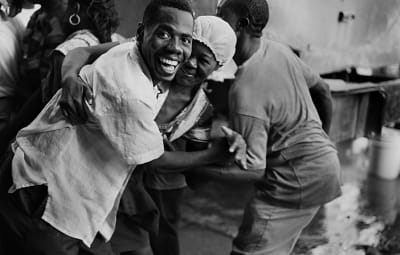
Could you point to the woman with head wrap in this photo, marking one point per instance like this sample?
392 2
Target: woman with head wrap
185 122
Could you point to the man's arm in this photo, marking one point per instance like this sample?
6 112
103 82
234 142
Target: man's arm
231 173
320 94
222 150
322 99
254 131
74 91
183 161
255 135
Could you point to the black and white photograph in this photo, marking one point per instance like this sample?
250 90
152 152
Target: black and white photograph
199 127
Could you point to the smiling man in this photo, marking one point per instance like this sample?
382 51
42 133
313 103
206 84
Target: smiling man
165 40
67 180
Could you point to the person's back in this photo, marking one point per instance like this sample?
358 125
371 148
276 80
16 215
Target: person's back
276 94
281 92
290 159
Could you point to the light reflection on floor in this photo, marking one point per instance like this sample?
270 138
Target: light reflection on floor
364 220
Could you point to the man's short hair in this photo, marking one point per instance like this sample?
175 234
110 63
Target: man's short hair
256 11
152 12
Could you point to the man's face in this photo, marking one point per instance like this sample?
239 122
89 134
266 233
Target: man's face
167 43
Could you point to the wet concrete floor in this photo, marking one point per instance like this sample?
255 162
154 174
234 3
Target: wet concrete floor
364 220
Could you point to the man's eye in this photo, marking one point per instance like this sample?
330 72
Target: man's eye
164 35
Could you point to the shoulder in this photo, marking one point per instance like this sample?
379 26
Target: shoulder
81 38
123 51
277 46
120 71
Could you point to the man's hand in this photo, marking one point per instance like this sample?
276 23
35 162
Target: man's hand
237 146
74 91
73 96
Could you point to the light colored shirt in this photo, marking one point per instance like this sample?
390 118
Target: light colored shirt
271 92
270 105
80 38
86 167
11 33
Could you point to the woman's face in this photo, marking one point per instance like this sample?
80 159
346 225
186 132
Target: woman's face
198 67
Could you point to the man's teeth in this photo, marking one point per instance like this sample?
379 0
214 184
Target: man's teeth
169 68
169 62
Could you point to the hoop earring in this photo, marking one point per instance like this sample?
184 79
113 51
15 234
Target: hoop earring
6 10
74 19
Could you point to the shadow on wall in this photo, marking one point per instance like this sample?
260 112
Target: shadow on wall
131 12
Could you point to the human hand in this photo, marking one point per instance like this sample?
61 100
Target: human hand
237 146
73 97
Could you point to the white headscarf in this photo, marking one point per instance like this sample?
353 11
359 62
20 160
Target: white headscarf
217 35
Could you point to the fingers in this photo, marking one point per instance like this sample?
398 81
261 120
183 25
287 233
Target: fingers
73 98
242 162
88 95
73 111
240 155
232 138
237 145
227 131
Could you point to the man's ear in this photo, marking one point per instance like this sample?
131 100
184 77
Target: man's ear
140 33
242 23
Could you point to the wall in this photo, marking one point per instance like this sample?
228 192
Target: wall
370 37
131 11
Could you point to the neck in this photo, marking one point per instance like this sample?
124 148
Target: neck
184 91
163 85
249 46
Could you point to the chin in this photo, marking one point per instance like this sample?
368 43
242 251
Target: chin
166 77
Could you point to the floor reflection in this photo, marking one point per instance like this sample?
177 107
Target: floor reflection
364 220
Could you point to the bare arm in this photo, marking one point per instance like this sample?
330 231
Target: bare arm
182 161
231 173
320 94
227 149
322 98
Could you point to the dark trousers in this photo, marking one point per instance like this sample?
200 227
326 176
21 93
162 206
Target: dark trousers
24 232
137 217
166 241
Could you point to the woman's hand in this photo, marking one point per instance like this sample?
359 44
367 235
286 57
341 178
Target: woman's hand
237 146
231 148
